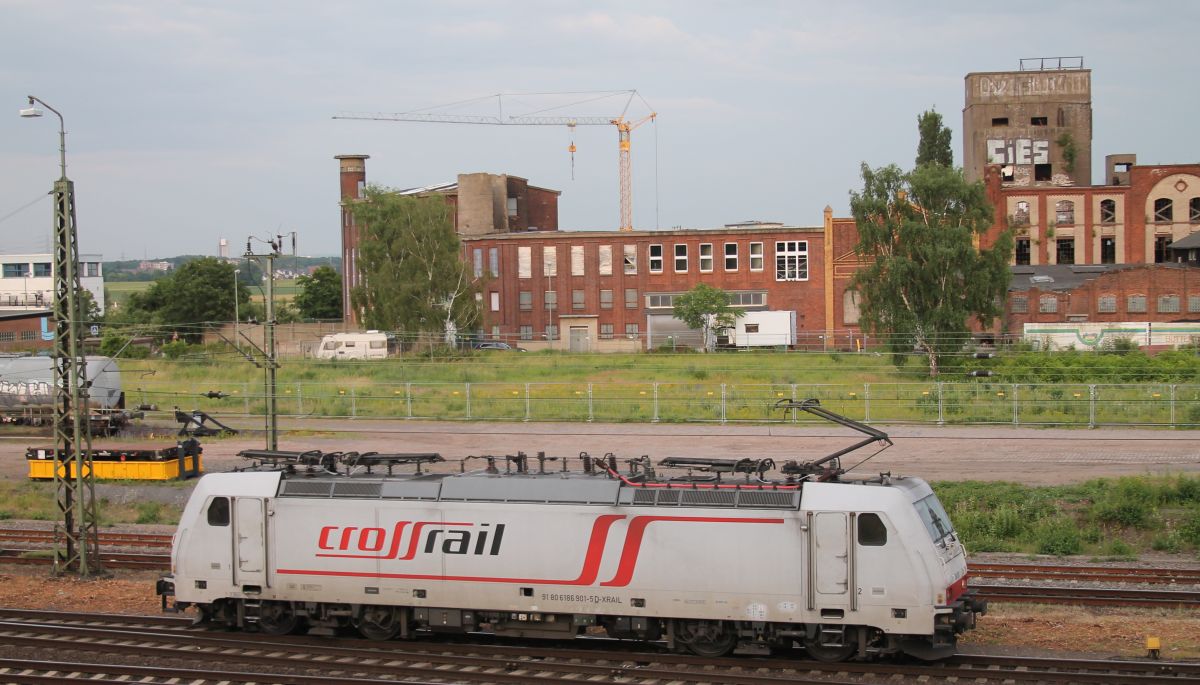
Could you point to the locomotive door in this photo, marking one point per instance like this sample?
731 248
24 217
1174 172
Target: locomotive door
831 556
250 541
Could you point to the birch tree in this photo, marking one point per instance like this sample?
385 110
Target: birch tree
414 277
925 278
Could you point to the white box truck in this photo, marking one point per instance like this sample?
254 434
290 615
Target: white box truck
369 345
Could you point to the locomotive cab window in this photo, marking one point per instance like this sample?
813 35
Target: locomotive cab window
937 523
218 511
871 531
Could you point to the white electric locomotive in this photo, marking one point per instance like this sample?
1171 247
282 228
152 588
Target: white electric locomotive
722 559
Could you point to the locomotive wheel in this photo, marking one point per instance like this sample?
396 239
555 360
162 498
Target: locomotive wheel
831 653
708 638
380 623
277 618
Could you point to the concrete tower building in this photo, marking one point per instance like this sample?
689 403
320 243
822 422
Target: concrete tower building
353 179
1035 123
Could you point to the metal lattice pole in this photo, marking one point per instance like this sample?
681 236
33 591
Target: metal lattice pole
76 531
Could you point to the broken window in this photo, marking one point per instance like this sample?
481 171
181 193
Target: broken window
1194 209
1108 250
1021 215
1021 256
1064 212
1065 251
630 252
1108 211
1038 121
1162 252
1042 172
1164 210
999 121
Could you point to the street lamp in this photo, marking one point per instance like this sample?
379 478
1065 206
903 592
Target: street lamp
77 530
236 342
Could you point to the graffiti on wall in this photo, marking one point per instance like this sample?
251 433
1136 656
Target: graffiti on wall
1030 85
23 392
1018 151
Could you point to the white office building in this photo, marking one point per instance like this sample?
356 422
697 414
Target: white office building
27 280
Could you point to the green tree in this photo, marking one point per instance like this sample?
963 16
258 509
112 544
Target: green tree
934 146
925 277
320 294
415 278
706 309
198 293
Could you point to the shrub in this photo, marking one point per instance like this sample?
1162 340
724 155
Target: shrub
150 512
1167 542
1058 537
1189 529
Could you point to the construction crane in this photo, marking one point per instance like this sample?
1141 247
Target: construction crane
624 126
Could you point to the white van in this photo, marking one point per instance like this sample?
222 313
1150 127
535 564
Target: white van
369 345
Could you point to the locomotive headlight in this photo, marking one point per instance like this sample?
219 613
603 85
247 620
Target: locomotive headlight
941 598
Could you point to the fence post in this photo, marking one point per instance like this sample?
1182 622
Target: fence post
1016 406
722 403
867 402
941 405
655 419
1092 406
246 399
408 397
591 415
527 402
1173 405
468 391
794 412
299 398
353 403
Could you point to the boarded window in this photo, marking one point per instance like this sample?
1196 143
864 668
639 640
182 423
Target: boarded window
1048 304
605 252
1020 304
631 298
1064 212
526 300
1107 304
1194 209
524 262
1108 211
577 299
606 299
549 261
1164 210
1135 304
1168 304
551 300
850 311
577 260
495 302
630 258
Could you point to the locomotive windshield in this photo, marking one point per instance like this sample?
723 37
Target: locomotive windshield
934 517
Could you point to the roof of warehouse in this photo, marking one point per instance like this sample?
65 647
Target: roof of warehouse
1065 276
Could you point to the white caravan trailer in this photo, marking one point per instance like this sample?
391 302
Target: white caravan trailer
764 329
369 345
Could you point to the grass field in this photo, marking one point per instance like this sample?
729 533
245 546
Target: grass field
119 291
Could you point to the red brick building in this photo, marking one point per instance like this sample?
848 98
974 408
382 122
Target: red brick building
23 330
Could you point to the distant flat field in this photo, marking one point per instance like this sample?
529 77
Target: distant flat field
119 291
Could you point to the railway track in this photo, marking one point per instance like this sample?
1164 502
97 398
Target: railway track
1114 574
125 560
46 537
201 656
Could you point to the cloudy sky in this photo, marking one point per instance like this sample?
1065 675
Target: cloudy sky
190 121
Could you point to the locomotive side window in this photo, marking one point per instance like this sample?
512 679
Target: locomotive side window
218 511
871 531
